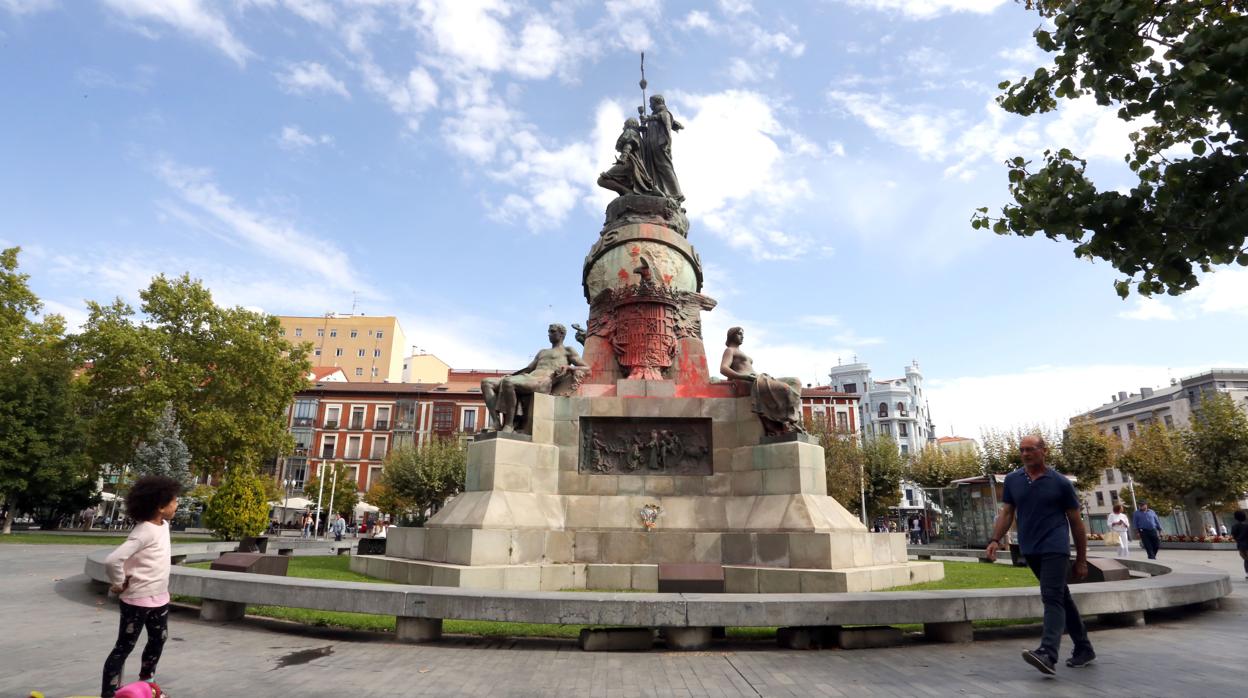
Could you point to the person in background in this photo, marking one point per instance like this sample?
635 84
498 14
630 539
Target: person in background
1118 524
1240 533
1149 528
339 527
1222 529
139 573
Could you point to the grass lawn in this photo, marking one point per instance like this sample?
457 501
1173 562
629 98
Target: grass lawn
44 538
958 575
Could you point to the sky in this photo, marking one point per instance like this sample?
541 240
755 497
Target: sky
435 160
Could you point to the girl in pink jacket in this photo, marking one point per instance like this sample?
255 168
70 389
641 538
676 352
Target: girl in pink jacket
139 572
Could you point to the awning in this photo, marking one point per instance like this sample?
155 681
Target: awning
292 503
365 508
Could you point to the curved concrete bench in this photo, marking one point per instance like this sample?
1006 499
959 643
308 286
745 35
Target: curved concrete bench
688 618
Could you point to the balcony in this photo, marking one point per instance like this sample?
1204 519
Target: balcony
381 425
327 453
300 452
356 426
301 422
331 424
352 455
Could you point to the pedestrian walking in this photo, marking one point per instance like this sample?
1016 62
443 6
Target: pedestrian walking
307 525
1240 533
1119 525
1149 527
139 574
339 527
1047 508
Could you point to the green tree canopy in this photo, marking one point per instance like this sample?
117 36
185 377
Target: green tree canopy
340 485
1217 447
936 467
1086 453
884 467
228 373
163 452
843 462
426 475
1177 71
240 506
43 465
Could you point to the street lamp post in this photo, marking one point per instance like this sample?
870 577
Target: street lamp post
332 491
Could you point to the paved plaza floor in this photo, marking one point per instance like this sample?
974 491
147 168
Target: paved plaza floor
57 631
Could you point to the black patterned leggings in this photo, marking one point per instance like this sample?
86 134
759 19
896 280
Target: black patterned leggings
133 620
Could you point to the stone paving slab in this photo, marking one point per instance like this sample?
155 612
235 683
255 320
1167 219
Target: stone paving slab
58 631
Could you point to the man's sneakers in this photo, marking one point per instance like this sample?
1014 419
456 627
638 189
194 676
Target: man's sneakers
1040 660
1081 658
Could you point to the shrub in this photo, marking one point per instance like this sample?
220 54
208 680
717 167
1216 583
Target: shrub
239 507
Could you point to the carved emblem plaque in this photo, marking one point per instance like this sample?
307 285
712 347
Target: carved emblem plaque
645 446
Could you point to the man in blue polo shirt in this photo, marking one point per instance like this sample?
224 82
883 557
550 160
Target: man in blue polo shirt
1048 512
1149 526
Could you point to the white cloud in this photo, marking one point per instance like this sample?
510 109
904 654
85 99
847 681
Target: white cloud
308 77
294 139
193 17
698 19
1148 309
259 233
928 9
75 315
1223 291
1045 395
926 60
315 11
27 7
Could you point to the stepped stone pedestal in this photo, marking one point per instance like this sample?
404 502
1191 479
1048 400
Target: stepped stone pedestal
538 515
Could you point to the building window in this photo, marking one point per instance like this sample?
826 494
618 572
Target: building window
375 372
296 472
1113 496
320 332
316 352
1169 421
444 417
354 334
842 421
332 413
1109 475
333 333
359 371
376 353
338 351
1117 432
379 334
328 443
905 450
360 353
851 388
305 413
353 447
1100 499
883 409
901 408
379 448
885 429
281 331
470 421
298 331
352 474
902 430
357 417
374 475
1131 429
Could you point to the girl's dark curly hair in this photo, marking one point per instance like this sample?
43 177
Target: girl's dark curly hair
148 494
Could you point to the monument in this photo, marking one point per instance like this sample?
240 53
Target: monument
597 469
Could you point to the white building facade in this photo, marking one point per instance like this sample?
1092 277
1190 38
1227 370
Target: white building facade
896 407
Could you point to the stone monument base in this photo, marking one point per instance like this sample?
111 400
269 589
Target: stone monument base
738 579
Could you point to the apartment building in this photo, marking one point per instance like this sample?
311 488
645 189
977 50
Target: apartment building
837 410
368 349
896 407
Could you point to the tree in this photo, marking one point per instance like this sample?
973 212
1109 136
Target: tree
1177 67
163 452
390 502
239 507
843 463
426 475
228 373
43 466
1217 447
935 467
1087 452
883 468
1158 462
343 489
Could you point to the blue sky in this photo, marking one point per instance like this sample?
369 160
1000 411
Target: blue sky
435 160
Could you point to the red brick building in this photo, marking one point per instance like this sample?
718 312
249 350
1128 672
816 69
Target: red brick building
359 423
839 411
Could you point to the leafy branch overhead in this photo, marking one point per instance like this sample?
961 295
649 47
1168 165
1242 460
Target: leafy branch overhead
1179 70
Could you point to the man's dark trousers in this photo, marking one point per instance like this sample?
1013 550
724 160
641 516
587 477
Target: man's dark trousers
1060 613
1151 542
